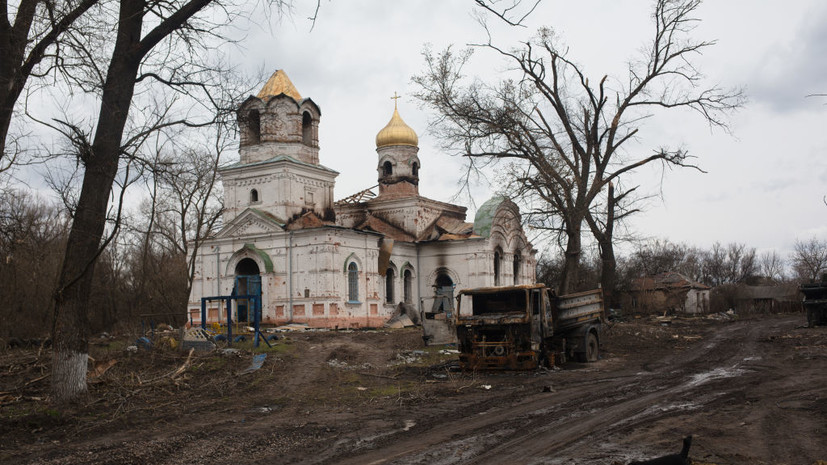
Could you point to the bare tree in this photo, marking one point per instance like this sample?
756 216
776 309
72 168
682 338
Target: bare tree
660 256
32 237
30 47
511 12
190 206
771 265
810 259
166 34
563 133
730 264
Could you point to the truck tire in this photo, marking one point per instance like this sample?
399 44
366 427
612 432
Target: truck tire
592 347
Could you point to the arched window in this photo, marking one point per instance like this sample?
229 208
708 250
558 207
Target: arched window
407 278
387 168
307 129
415 169
254 126
498 256
518 258
253 196
352 282
389 286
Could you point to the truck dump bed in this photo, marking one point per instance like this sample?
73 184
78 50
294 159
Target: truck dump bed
574 309
518 327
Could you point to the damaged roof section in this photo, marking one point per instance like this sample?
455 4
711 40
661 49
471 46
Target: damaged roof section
669 280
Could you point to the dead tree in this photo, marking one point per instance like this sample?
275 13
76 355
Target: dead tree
30 47
561 132
189 208
146 33
810 259
771 265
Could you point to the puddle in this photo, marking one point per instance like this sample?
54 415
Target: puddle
718 373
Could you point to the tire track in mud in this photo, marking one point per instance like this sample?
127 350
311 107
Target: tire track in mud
541 425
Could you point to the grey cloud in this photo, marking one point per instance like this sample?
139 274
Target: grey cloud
786 75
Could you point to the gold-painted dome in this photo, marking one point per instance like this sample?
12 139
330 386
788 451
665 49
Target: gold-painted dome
279 83
396 133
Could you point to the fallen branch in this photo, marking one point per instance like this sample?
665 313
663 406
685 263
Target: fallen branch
380 376
172 374
32 381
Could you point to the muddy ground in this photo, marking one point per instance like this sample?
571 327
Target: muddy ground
751 391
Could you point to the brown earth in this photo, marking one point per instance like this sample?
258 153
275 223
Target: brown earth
751 391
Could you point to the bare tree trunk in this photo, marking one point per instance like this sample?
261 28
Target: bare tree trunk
571 267
604 237
70 333
608 270
71 323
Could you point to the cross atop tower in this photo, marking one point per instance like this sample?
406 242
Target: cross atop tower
395 98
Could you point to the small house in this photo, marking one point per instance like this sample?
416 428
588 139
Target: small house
669 292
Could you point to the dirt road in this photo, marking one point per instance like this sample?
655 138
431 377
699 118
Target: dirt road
750 391
741 397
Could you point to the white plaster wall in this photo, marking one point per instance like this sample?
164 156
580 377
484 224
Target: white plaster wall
284 189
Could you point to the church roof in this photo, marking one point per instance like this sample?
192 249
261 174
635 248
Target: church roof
277 159
396 132
278 84
484 218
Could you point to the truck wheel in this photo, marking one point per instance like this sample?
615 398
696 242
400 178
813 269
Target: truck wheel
592 348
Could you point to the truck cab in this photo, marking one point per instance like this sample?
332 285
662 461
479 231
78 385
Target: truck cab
523 327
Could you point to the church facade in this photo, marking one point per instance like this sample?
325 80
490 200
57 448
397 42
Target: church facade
345 263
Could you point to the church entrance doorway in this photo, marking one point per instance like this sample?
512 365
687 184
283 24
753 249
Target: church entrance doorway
443 295
247 283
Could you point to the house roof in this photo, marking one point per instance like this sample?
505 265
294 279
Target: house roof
666 281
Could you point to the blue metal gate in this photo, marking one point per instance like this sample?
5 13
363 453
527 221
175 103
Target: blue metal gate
247 308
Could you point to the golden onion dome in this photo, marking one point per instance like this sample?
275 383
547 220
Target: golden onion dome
396 133
279 83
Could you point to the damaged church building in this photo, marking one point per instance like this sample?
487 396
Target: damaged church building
347 263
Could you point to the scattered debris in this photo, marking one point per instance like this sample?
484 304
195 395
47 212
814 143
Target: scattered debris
409 357
144 343
100 367
173 374
258 361
198 339
337 363
400 321
229 352
292 327
723 316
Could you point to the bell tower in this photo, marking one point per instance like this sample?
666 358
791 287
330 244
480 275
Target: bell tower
279 120
397 146
278 172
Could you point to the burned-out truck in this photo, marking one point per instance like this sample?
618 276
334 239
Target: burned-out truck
523 327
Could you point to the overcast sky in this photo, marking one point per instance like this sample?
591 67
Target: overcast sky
764 183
